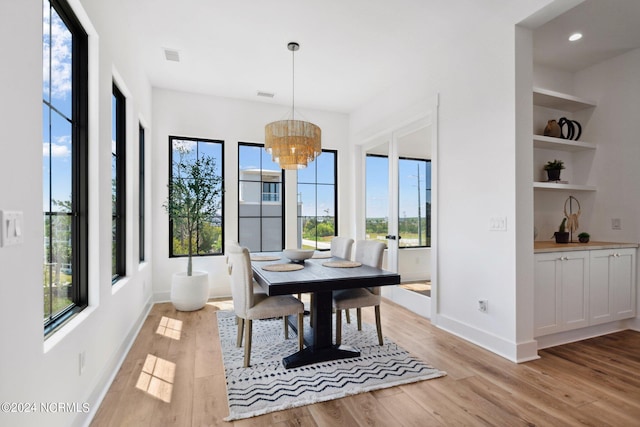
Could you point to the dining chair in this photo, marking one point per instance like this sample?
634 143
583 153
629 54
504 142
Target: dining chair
368 252
257 289
249 306
341 248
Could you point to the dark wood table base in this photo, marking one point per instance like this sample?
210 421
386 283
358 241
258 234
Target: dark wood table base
310 355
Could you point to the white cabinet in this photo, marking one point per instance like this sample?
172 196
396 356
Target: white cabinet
575 289
576 155
612 285
561 291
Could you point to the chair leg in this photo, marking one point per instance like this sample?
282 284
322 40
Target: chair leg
359 318
339 327
300 331
378 324
247 345
348 316
240 323
286 328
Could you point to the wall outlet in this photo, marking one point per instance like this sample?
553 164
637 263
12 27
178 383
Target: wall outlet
616 224
483 305
81 362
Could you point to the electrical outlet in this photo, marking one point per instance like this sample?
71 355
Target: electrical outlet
81 362
616 224
483 305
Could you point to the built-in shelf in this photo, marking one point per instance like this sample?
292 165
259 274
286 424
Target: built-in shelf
559 101
562 187
551 143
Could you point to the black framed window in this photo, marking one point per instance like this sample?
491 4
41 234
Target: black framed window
65 164
209 235
260 199
118 185
141 192
318 201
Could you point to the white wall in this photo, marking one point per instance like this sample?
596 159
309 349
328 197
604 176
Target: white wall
233 121
475 79
32 369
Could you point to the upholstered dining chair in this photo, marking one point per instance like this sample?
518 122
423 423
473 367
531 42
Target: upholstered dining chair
368 252
249 306
257 289
341 248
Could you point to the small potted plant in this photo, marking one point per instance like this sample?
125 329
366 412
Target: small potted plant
583 237
553 168
562 235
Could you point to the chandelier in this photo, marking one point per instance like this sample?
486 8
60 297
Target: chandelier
292 143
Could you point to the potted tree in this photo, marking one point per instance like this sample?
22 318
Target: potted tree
553 169
195 194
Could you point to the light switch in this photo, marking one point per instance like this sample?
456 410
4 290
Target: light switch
498 223
12 227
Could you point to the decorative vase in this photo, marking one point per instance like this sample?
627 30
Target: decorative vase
189 293
553 174
561 237
553 129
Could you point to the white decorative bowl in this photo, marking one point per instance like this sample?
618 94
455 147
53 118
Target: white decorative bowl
298 255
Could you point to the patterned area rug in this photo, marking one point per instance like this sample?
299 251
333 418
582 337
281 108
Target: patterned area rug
266 386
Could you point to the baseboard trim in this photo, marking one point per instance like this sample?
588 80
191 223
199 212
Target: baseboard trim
515 352
567 337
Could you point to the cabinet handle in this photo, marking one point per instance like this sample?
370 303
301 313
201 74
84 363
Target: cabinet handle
563 258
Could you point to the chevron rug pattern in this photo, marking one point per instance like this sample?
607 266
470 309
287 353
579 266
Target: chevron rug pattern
266 386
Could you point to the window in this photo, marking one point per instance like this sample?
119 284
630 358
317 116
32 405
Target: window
64 163
377 197
208 237
260 200
318 201
414 198
141 193
118 186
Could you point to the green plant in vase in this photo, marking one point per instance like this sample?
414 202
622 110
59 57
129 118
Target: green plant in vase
553 168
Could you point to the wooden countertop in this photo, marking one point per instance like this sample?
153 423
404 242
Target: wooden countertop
552 246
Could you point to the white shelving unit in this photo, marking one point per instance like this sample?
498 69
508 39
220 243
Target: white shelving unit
555 105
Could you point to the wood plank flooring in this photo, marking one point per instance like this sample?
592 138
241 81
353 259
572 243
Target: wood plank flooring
166 381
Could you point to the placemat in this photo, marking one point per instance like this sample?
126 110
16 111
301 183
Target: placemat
323 254
283 267
264 258
342 264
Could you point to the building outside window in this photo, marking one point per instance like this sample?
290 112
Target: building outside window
260 200
209 236
318 201
64 164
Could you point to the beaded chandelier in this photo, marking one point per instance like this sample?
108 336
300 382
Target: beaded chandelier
292 143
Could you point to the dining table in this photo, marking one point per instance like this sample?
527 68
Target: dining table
320 276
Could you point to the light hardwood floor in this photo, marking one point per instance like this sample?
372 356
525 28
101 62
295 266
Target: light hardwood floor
166 381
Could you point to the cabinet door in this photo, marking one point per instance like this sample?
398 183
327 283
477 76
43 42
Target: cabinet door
601 291
575 289
623 278
547 294
613 285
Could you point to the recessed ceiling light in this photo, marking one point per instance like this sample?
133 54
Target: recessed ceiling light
575 36
172 55
266 94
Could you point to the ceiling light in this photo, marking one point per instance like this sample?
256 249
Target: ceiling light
575 36
172 55
266 94
292 143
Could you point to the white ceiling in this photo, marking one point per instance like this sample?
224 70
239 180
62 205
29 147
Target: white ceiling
609 28
349 50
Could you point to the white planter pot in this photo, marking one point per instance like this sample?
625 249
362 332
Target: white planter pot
189 293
